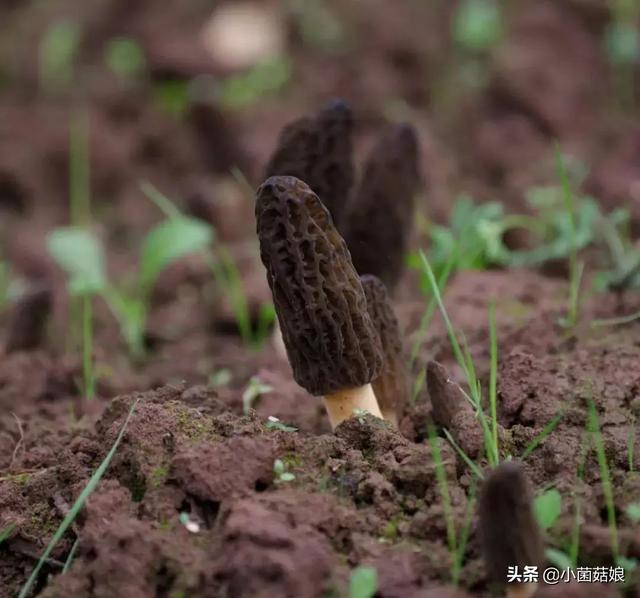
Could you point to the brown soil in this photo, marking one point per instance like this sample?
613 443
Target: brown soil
366 494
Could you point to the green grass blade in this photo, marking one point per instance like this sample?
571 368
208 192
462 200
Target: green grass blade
470 464
163 203
77 506
427 315
605 476
464 535
549 427
443 486
70 556
493 377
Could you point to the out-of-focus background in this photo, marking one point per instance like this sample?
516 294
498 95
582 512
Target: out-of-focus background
184 92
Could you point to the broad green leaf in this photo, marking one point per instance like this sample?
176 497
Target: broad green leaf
547 507
169 241
81 255
364 582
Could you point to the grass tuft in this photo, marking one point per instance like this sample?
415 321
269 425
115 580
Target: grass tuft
77 506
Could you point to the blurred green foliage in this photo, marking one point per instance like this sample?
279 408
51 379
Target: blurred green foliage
124 57
477 25
264 79
58 49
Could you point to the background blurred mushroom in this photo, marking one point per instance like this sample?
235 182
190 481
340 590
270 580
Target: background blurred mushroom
391 386
379 217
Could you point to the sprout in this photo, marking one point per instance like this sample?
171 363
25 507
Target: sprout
331 342
391 386
379 218
318 151
509 533
29 319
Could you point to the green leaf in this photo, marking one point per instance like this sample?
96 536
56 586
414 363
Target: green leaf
633 511
547 507
558 558
478 24
169 241
363 583
81 255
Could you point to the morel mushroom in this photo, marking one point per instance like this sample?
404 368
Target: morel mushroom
509 532
29 319
331 342
451 410
318 151
391 386
379 217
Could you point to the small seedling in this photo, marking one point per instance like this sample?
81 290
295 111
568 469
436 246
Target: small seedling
363 582
332 345
281 473
81 255
547 508
463 357
273 423
255 389
391 386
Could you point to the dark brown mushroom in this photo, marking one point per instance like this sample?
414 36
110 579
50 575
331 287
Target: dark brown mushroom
331 342
509 533
391 387
318 150
29 319
452 410
378 220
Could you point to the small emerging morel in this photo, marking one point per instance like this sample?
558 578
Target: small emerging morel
378 221
29 319
318 150
391 386
331 342
509 532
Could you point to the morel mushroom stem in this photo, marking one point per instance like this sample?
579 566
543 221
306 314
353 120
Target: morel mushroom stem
332 344
343 404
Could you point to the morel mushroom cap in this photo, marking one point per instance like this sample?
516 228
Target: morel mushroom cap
509 532
391 386
322 311
377 223
318 150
